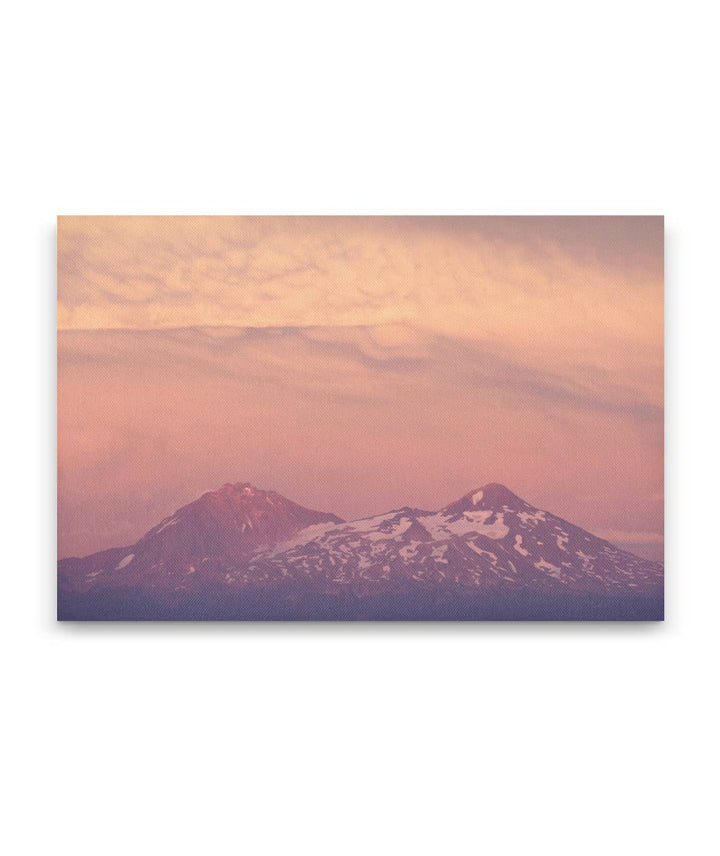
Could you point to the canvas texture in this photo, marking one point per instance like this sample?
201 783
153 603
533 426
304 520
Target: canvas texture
360 418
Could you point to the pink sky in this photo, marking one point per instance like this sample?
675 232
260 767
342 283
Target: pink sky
360 364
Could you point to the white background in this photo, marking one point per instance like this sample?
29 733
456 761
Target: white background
359 739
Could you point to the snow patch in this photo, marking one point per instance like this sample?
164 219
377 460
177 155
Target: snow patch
438 553
526 517
519 547
123 563
402 526
409 551
474 547
441 526
553 570
304 536
477 497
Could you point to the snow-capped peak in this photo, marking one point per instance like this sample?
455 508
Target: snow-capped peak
492 496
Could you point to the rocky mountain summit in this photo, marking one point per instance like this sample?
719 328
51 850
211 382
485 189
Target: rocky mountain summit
240 543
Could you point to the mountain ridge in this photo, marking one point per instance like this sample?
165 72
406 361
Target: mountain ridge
239 542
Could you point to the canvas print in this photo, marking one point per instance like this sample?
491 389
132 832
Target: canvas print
360 418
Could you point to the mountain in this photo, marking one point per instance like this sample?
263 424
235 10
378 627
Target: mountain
224 527
488 554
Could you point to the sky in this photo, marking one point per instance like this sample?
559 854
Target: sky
359 364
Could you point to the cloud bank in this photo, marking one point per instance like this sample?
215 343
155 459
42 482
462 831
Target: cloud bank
573 289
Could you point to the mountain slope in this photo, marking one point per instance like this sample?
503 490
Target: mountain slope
489 538
223 526
488 543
